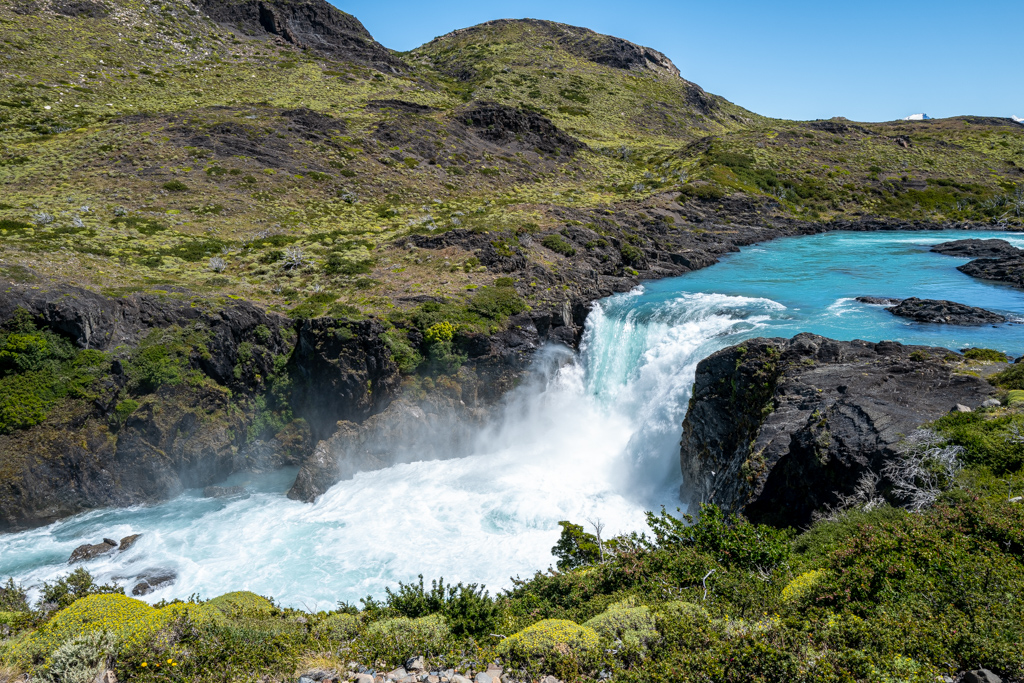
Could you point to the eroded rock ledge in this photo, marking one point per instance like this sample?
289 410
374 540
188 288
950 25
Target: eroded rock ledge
779 428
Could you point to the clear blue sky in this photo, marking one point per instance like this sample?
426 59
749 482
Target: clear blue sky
868 61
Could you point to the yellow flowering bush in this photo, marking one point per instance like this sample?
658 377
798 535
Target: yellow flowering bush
796 589
548 642
132 623
440 332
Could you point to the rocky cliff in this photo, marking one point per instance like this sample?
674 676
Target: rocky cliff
304 23
780 428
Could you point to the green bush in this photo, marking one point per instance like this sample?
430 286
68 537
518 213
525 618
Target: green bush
242 603
395 640
732 541
625 624
13 597
467 610
985 355
338 627
988 443
575 548
164 357
631 254
175 186
78 584
405 356
559 245
496 303
1010 378
38 369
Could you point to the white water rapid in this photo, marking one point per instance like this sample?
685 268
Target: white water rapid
593 435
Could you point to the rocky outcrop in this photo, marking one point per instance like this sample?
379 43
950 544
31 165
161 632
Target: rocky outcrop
780 428
1008 269
975 248
341 371
944 312
878 300
130 446
305 23
91 551
507 126
436 422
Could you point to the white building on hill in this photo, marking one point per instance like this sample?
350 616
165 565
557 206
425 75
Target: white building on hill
918 117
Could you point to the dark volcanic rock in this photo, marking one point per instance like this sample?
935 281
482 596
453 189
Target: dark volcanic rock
944 312
152 579
975 248
90 551
779 428
305 23
506 125
343 371
878 300
1009 269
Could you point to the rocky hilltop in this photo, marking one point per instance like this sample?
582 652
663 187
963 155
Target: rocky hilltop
781 428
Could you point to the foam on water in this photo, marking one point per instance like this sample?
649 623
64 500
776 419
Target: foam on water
593 434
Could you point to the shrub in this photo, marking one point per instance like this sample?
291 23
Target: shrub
552 645
78 584
1010 378
733 541
338 627
625 624
497 303
575 547
559 245
13 597
439 333
242 603
81 659
631 254
468 610
985 355
131 622
175 186
992 443
395 640
799 587
164 356
405 356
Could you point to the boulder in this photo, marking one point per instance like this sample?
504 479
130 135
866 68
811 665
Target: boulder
944 312
878 300
975 248
415 665
152 579
981 676
127 542
1008 269
780 428
88 552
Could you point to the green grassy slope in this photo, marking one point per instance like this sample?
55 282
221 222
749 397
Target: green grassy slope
139 141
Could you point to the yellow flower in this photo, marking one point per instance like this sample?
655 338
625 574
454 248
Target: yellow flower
170 661
144 664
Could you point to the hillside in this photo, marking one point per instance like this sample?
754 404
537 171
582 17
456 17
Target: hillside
164 139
